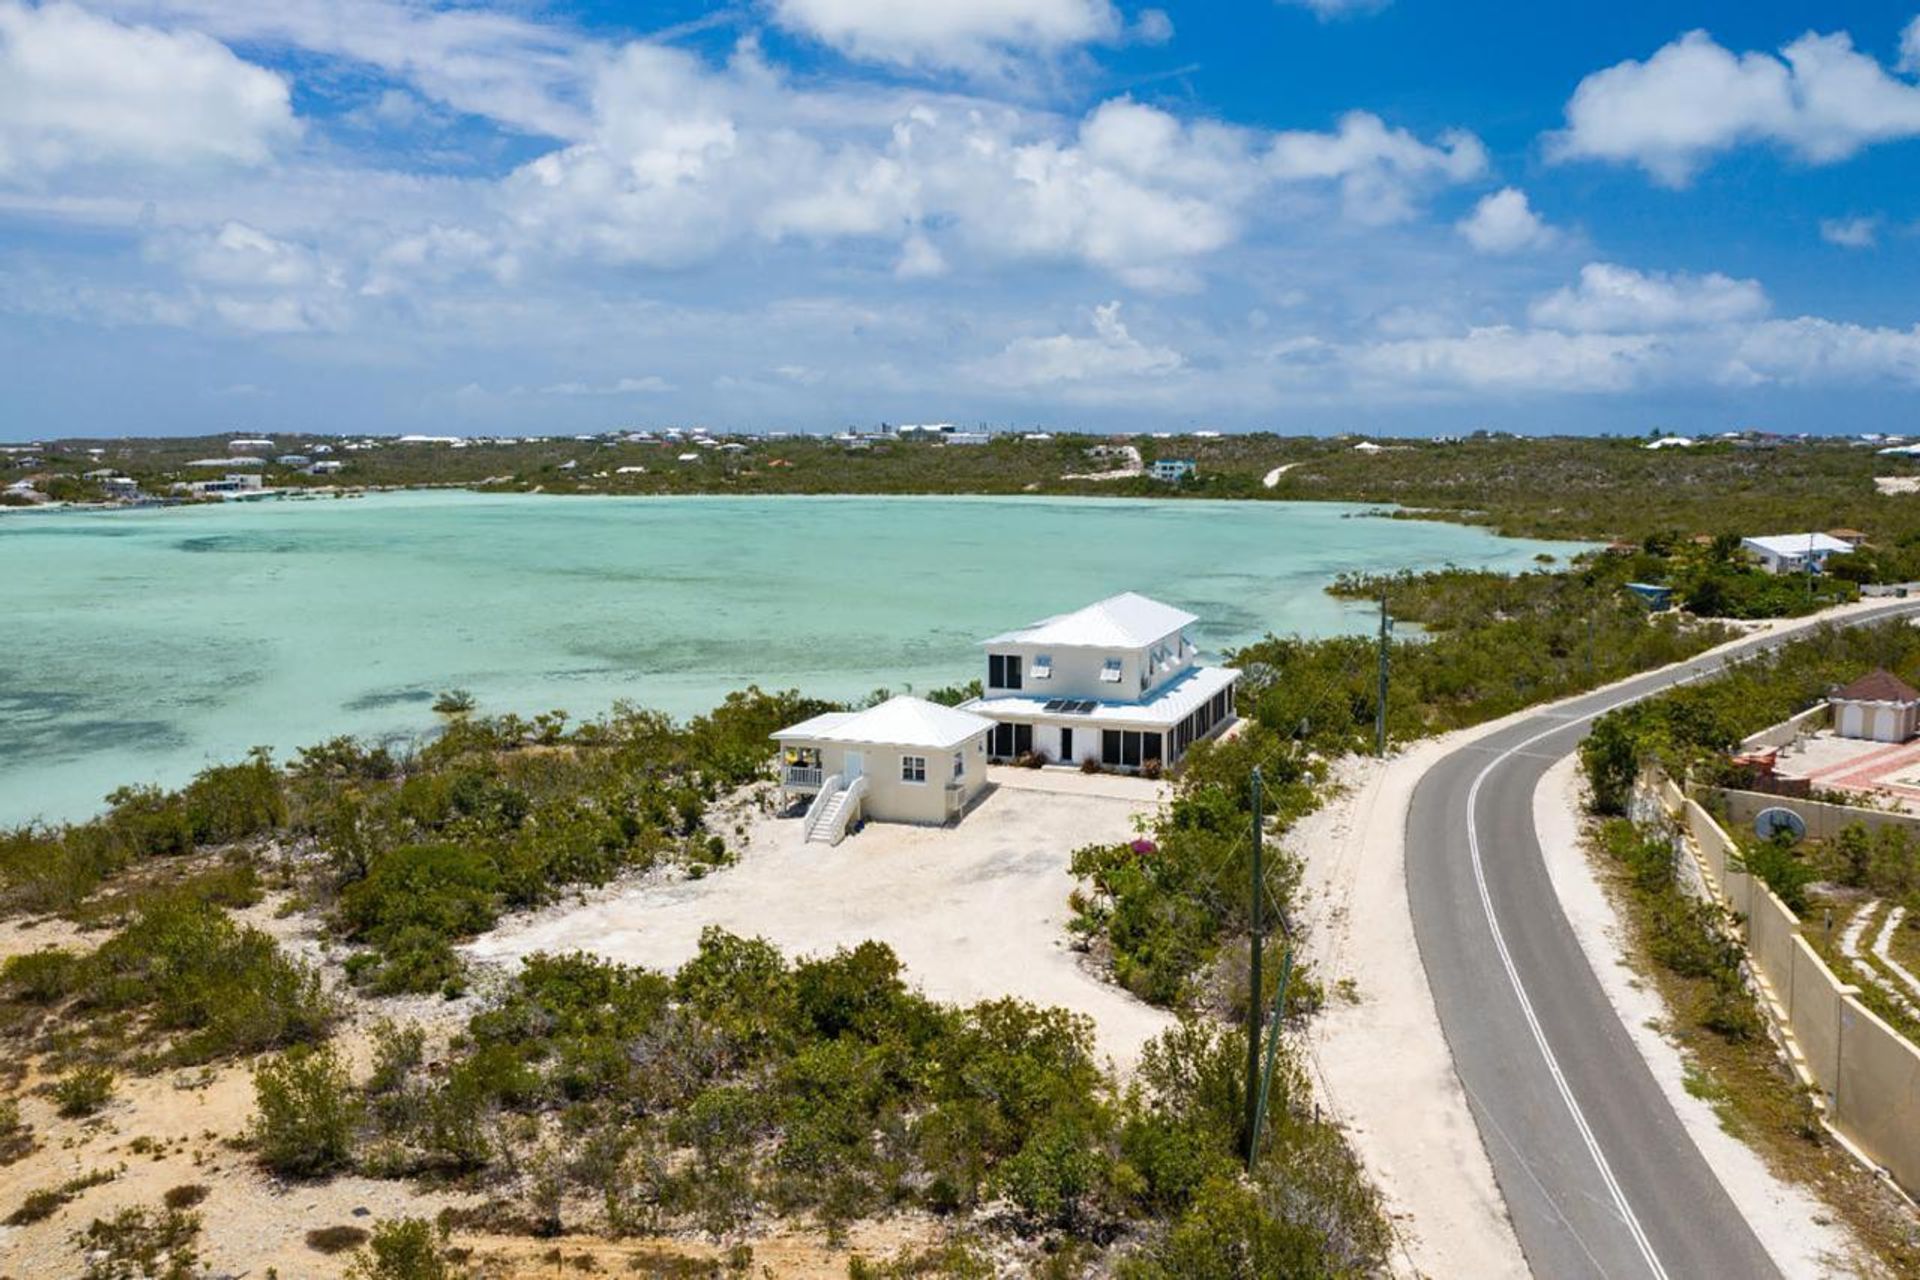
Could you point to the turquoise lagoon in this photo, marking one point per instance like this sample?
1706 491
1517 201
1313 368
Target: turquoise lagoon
141 645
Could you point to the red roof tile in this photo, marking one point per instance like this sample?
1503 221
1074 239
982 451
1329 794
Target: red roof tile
1878 686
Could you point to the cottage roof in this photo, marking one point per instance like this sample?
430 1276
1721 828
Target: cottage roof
1877 686
1126 621
901 721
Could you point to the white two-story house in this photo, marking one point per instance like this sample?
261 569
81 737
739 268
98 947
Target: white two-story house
1118 682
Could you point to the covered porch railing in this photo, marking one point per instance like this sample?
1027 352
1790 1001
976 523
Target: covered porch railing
801 775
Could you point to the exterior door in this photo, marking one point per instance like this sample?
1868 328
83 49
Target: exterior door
1066 744
852 765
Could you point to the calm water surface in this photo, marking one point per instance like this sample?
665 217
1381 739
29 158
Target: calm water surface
141 645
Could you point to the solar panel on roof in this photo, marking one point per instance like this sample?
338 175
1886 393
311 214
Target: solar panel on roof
1056 704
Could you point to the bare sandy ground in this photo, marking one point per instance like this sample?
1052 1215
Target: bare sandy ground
1271 480
1793 1226
975 911
1897 484
1378 1055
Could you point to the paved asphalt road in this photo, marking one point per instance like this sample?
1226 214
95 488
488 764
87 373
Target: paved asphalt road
1599 1175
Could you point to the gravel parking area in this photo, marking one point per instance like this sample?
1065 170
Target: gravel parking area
975 911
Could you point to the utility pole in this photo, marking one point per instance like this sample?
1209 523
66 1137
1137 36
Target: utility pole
1590 607
1255 942
1809 568
1380 710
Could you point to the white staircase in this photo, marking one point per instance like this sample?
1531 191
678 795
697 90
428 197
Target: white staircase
831 810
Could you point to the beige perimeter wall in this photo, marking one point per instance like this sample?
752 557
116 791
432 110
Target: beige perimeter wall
1868 1072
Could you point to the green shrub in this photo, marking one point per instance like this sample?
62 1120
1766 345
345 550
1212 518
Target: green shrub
228 987
1230 1234
83 1091
41 977
402 1249
332 1240
184 1196
42 870
135 1244
232 802
306 1113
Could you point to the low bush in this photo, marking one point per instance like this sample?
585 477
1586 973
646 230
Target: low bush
83 1091
332 1240
184 1196
306 1113
226 988
137 1244
403 1249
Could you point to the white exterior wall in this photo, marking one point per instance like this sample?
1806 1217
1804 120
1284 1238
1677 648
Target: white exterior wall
1076 671
1875 721
889 798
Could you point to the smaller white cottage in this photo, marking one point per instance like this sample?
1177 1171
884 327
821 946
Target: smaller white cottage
1878 707
906 760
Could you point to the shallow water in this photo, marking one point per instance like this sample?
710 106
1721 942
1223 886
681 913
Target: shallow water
142 645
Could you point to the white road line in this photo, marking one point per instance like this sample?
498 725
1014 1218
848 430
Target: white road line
1709 667
1614 1189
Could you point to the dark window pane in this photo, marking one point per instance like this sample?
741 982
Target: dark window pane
1150 748
1109 746
1013 671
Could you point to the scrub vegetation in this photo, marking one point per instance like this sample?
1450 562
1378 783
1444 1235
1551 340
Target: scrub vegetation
576 1095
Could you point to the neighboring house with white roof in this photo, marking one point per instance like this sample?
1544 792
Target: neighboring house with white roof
1791 552
906 760
1118 683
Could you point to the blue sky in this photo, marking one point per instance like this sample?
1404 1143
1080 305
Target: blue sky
1410 216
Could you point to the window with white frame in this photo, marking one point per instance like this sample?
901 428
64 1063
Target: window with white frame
959 765
1042 666
1110 671
913 768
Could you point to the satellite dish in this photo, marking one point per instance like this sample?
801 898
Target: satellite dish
1769 823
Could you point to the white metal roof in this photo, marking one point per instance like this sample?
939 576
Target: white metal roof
901 721
1796 544
1185 695
1126 621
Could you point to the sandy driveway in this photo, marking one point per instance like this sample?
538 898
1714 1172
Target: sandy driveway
975 911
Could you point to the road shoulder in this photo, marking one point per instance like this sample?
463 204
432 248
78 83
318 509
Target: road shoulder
1791 1224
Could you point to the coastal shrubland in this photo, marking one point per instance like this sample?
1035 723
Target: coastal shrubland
590 1096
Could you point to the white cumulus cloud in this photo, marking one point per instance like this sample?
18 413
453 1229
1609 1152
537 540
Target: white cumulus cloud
1379 169
1850 233
1109 354
1614 299
1820 98
76 90
1505 222
970 35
